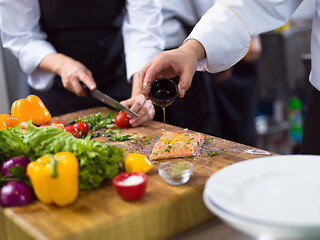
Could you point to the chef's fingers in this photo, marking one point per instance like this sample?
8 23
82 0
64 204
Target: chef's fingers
154 68
128 103
135 104
85 76
138 103
142 74
146 113
185 81
149 77
69 83
77 88
71 80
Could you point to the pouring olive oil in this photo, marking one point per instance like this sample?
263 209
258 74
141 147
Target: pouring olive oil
163 93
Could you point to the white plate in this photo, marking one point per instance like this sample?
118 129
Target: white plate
277 192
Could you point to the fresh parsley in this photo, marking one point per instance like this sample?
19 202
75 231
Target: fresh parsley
211 154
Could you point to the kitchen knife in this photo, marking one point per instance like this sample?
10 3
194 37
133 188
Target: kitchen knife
108 100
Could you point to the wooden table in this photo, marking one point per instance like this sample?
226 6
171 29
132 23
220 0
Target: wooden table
164 211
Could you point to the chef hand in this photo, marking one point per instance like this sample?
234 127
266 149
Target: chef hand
71 72
254 52
223 76
143 107
181 61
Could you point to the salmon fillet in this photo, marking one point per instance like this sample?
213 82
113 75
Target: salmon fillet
174 145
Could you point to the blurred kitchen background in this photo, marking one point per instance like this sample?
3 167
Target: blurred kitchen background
284 70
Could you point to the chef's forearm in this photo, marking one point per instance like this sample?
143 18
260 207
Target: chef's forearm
52 63
136 89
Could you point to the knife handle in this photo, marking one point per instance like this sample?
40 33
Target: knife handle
86 89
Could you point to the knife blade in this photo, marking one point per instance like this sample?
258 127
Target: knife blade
109 101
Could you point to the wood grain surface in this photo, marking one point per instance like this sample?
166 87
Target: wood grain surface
164 211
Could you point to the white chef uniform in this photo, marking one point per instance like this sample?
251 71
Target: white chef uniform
21 33
227 30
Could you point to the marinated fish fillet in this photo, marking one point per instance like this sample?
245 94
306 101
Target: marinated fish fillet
174 145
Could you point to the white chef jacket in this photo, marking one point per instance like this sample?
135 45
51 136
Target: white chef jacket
21 33
227 29
177 11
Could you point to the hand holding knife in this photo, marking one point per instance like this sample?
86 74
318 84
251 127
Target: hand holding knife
108 100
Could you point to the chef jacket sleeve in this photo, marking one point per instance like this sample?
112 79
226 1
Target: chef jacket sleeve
21 33
227 29
143 38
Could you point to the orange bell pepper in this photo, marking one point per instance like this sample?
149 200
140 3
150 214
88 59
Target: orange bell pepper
31 108
7 120
55 178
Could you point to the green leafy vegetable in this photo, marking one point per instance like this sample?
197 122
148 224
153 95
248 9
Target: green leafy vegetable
120 138
12 143
146 142
211 154
109 132
97 161
96 121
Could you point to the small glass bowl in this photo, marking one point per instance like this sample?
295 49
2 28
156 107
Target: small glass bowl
176 172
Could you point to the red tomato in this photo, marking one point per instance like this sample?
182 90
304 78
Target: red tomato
72 130
81 126
44 125
122 120
57 124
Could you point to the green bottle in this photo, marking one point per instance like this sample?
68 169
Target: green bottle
295 118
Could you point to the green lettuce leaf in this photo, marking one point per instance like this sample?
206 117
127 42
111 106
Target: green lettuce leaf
12 144
97 161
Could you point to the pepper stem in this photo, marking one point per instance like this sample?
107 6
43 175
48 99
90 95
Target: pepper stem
54 170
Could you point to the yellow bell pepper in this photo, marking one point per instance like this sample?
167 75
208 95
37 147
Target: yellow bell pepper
7 120
31 108
55 178
136 162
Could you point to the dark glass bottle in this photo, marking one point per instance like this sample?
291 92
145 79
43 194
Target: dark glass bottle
163 92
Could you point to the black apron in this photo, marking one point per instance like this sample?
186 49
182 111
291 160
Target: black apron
90 32
311 127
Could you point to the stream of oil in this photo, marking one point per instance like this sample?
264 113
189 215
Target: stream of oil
164 120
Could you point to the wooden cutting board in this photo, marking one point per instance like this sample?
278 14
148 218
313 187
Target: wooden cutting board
162 212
